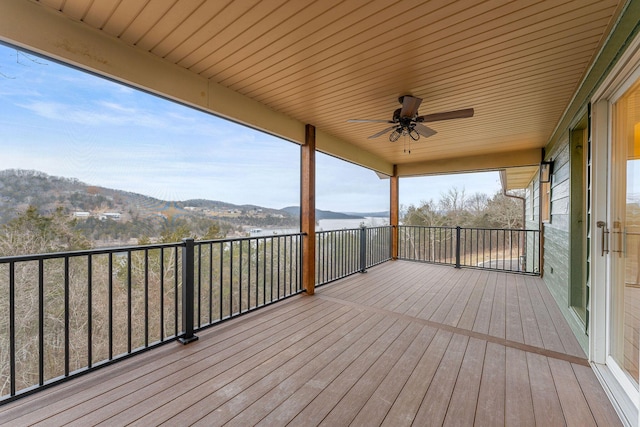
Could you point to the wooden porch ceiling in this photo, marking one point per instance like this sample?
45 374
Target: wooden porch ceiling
277 65
405 343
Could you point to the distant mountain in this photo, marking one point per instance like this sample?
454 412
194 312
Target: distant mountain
20 189
320 214
218 205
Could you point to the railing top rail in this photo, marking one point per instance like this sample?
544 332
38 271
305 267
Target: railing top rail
339 229
427 226
466 228
378 227
119 249
497 229
238 239
97 251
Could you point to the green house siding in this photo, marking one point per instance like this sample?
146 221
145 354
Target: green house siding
557 238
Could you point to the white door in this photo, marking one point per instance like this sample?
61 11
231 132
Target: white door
621 242
613 245
624 227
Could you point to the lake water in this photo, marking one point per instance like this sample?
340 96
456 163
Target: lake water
341 224
325 225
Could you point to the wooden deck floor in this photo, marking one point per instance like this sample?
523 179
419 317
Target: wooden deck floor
404 344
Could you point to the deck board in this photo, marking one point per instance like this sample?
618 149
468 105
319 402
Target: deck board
519 405
198 365
483 318
433 408
531 333
406 343
498 321
353 401
492 394
546 404
548 332
472 305
196 402
574 405
462 406
379 403
408 401
514 331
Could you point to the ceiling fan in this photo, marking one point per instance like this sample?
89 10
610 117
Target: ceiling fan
406 120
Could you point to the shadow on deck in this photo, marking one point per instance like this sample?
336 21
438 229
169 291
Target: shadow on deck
406 343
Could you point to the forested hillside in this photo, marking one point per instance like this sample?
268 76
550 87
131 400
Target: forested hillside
98 216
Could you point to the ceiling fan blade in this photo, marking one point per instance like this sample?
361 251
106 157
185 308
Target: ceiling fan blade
368 121
410 106
448 115
424 130
382 132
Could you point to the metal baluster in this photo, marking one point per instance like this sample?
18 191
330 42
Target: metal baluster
66 316
175 290
231 279
110 305
129 303
220 278
12 329
40 322
240 279
199 285
161 262
210 283
278 278
146 297
89 312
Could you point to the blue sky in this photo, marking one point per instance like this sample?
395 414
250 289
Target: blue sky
64 122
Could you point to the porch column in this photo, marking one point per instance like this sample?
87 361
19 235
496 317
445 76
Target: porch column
394 210
308 208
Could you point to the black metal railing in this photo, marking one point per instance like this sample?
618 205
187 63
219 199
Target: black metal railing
235 276
378 245
340 253
511 250
64 314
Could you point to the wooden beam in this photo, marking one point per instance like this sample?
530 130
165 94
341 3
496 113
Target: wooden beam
308 208
483 162
394 209
339 148
32 26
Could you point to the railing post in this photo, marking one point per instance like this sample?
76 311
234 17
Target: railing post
458 247
363 249
187 291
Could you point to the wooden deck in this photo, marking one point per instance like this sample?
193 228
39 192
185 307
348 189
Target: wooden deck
405 343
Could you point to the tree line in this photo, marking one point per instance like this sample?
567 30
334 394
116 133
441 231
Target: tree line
479 210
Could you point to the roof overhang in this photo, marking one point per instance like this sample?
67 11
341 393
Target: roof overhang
517 64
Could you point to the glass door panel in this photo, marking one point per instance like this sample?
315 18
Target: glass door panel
625 235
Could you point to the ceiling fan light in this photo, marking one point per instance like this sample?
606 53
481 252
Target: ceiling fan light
414 134
395 135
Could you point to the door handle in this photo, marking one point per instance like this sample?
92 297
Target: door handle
603 242
618 238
